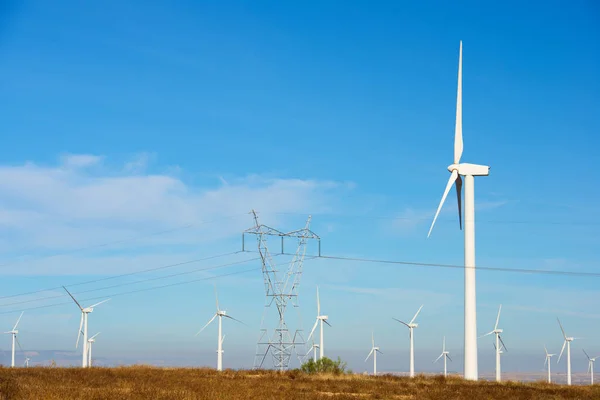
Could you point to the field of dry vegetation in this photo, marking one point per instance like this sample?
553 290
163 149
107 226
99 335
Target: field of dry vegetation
187 383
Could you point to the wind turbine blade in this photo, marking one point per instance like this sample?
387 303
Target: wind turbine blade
453 177
223 339
441 355
489 333
546 350
371 352
402 322
458 140
19 343
561 351
459 199
318 303
79 331
207 324
94 336
415 317
326 322
561 328
498 318
97 304
235 319
379 351
589 367
546 361
15 327
444 344
76 302
217 298
313 329
448 357
502 341
586 354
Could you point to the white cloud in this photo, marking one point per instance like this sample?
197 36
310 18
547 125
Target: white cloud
54 209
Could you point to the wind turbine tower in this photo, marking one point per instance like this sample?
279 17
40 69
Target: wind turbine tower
446 355
14 333
374 351
323 319
498 346
411 325
220 337
281 286
591 366
567 343
548 359
83 323
469 171
90 342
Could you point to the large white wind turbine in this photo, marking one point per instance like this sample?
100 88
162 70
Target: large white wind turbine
220 313
323 319
446 355
548 359
567 343
499 345
411 325
591 366
469 171
14 333
90 342
374 351
84 324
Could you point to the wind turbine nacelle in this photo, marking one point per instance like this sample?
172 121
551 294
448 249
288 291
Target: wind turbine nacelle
413 325
499 331
323 317
88 310
470 169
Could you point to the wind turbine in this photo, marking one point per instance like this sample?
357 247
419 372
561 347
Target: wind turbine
90 342
567 343
314 348
498 345
26 363
446 355
323 319
220 313
374 351
14 332
591 367
84 324
548 357
411 325
469 171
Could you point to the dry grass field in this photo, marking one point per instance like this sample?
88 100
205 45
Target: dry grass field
186 383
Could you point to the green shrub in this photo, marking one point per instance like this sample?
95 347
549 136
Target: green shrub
324 365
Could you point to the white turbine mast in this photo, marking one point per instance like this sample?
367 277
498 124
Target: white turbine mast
499 345
26 363
220 338
567 343
446 355
591 362
15 341
90 342
83 327
314 349
548 361
411 325
469 171
323 319
374 351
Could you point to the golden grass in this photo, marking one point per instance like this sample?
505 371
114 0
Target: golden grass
140 382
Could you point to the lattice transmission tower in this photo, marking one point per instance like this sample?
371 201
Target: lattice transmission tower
281 286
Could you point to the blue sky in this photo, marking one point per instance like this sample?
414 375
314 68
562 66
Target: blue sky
123 119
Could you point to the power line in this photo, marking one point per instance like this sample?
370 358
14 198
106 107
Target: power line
122 275
133 283
106 244
438 265
135 291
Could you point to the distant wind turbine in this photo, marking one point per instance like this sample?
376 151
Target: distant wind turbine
323 319
567 343
411 325
220 313
14 333
548 359
314 349
84 324
591 366
374 351
90 342
469 171
26 363
446 355
498 345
